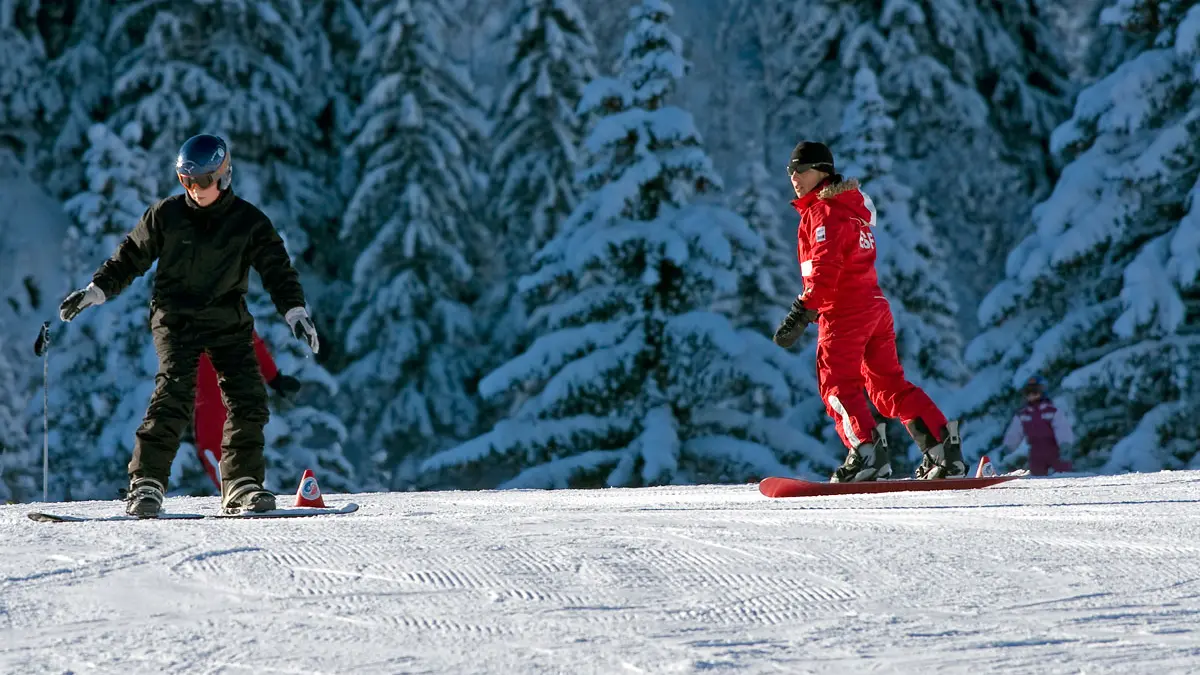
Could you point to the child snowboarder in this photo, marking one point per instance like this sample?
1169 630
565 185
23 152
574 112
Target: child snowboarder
205 242
1044 426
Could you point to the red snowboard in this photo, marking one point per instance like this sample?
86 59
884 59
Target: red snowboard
794 487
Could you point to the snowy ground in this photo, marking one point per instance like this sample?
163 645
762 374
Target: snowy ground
1085 575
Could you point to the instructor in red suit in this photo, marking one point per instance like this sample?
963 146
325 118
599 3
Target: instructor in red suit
210 405
856 343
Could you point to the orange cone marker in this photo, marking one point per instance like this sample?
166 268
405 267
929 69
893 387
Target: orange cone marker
309 493
985 468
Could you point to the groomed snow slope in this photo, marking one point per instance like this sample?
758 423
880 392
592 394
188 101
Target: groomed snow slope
1079 575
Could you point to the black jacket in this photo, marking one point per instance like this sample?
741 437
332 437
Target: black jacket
204 256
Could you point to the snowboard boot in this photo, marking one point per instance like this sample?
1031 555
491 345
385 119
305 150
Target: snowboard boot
942 459
242 495
869 461
144 497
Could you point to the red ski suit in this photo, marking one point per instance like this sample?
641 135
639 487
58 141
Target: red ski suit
856 343
211 410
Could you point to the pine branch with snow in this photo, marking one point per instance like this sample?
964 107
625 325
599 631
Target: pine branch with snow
538 131
30 98
332 33
771 281
83 72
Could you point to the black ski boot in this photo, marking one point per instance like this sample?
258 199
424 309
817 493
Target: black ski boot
939 459
242 495
869 461
144 497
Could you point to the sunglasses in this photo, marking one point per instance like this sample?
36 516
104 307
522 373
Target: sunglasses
794 169
202 181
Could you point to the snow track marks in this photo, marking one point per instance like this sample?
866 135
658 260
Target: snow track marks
1053 576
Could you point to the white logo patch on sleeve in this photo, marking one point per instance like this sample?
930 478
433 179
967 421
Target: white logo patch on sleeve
821 233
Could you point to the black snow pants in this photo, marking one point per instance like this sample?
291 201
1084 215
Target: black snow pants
227 334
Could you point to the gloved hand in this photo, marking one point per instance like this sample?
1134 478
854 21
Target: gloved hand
80 300
302 327
42 343
285 385
793 325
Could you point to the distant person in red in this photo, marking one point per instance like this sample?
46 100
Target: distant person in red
1044 426
210 406
856 343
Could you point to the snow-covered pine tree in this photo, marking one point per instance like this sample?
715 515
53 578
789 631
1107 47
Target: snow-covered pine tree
535 138
776 48
20 458
632 374
30 99
82 68
969 81
332 34
1102 299
307 433
410 335
102 363
912 267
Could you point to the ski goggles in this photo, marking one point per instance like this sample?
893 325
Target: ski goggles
794 169
202 181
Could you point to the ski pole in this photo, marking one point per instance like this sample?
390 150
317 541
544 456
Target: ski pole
42 348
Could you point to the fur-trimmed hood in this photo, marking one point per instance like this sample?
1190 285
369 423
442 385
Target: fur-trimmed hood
837 187
832 190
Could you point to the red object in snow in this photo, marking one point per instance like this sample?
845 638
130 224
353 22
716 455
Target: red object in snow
985 468
210 408
309 493
794 487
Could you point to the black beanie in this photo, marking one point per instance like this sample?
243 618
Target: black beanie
814 155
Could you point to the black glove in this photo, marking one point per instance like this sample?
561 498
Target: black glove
80 300
285 385
42 343
793 325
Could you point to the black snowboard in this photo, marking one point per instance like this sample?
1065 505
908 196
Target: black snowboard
291 512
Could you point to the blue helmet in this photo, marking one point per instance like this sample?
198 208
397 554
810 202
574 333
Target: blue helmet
1034 383
203 160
